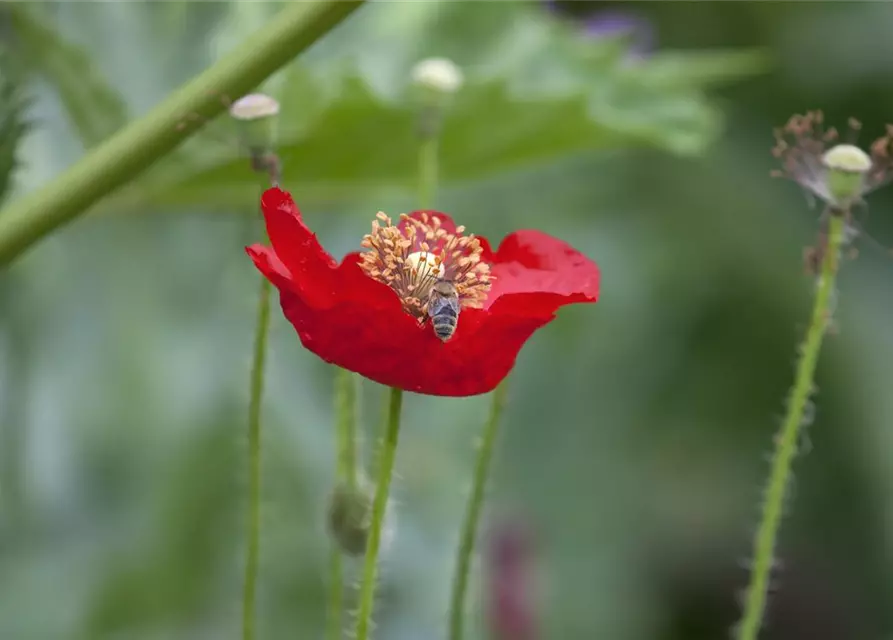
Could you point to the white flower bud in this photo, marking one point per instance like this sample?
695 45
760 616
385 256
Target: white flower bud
254 106
439 74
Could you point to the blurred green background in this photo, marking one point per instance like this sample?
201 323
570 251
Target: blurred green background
636 435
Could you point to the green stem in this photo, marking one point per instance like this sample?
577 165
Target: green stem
473 512
379 508
788 437
254 411
346 417
336 593
428 172
122 157
346 392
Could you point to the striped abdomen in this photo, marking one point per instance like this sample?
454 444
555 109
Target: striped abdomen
444 314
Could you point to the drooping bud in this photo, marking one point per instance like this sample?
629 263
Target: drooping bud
350 518
256 115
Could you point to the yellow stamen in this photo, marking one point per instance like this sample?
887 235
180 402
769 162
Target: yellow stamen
412 260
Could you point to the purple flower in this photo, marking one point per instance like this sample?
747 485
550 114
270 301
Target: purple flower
612 23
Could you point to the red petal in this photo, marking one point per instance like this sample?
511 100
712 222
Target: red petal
532 262
312 269
393 349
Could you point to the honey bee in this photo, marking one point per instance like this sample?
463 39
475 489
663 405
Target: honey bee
443 308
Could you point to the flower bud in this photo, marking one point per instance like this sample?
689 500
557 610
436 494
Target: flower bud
350 518
435 81
846 165
256 115
440 75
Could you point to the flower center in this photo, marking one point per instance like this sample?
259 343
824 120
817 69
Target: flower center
412 258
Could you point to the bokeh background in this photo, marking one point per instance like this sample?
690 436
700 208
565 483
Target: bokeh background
635 440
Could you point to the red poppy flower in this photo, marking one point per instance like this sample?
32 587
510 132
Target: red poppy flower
369 313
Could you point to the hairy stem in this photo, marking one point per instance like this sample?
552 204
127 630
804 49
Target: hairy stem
473 513
346 416
122 157
346 391
787 439
336 593
254 412
379 508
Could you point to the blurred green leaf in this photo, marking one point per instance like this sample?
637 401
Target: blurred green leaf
341 137
678 69
94 108
13 122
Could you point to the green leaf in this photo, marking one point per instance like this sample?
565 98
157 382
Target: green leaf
13 123
94 108
535 90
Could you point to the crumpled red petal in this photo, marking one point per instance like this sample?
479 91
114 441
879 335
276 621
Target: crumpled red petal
357 323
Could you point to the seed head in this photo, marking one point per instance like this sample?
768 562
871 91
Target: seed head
840 175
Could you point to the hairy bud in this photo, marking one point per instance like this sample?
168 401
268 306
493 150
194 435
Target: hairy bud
350 516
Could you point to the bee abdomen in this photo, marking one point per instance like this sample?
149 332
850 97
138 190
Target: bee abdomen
445 321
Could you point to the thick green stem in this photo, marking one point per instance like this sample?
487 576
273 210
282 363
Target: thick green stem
133 149
428 172
346 392
379 509
254 411
473 513
788 437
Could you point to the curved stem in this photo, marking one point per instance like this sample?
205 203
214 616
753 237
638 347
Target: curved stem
379 507
346 430
127 153
254 410
473 513
786 442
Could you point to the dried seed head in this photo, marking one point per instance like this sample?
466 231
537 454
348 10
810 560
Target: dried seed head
846 167
847 158
839 175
